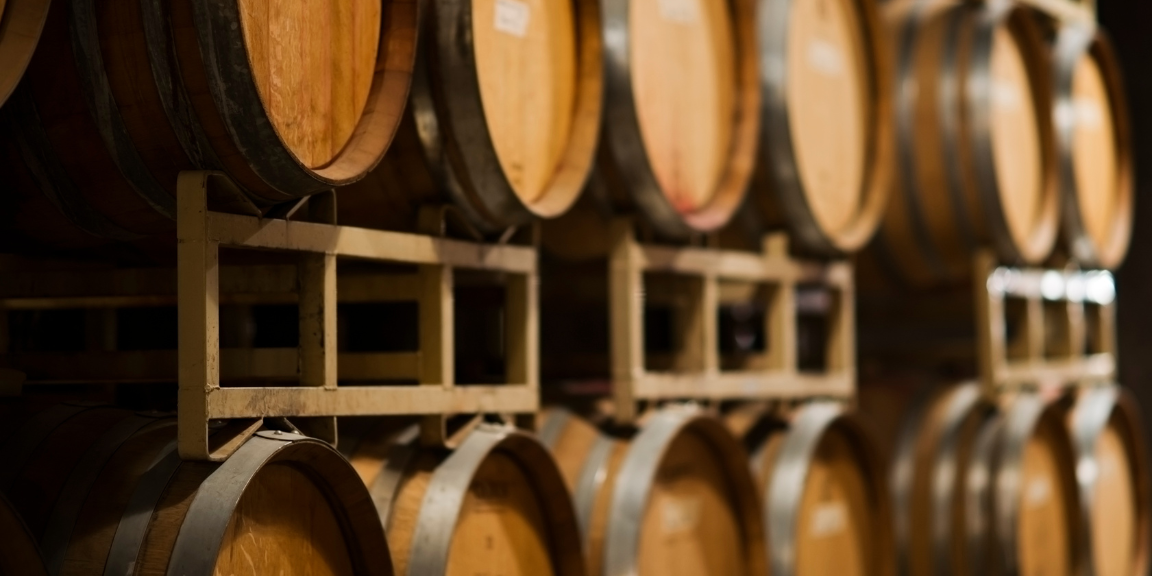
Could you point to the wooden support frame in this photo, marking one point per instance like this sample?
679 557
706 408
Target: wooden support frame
1059 313
297 383
699 376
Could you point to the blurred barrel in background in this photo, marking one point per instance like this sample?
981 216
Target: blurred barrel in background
824 498
981 489
1112 475
503 118
121 97
103 491
495 504
1095 148
21 22
975 144
19 554
675 498
826 135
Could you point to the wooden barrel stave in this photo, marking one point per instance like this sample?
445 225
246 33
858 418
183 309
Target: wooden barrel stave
977 166
21 22
823 498
495 503
826 133
1106 427
675 499
122 98
1090 115
468 137
126 504
990 490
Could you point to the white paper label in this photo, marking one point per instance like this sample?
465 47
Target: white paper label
828 518
825 57
1006 95
1038 492
681 11
1088 113
512 17
680 515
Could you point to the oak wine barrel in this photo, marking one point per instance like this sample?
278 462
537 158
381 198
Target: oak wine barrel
826 141
986 490
120 97
682 111
494 505
21 22
1095 147
503 118
824 498
104 492
975 144
1107 434
19 555
674 499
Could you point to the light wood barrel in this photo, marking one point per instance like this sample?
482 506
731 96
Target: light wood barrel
20 24
826 137
104 492
495 505
975 146
824 500
676 498
983 490
19 555
503 119
119 99
1107 434
681 111
1095 148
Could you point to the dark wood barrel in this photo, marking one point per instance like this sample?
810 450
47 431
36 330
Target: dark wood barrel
981 489
495 505
976 154
674 499
1107 433
503 118
826 143
104 491
824 498
1095 147
19 555
120 97
20 24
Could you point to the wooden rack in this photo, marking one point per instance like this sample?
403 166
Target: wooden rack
1064 333
313 396
700 376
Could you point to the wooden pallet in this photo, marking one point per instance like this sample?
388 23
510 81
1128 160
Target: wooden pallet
1065 326
312 370
699 376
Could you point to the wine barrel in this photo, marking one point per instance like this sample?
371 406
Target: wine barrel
824 500
676 498
105 492
976 150
985 490
495 505
682 111
1095 148
119 98
20 24
503 118
1107 434
19 555
826 136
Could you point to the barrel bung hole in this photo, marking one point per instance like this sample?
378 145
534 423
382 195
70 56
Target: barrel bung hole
673 322
741 316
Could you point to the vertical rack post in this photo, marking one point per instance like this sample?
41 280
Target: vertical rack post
316 277
626 309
